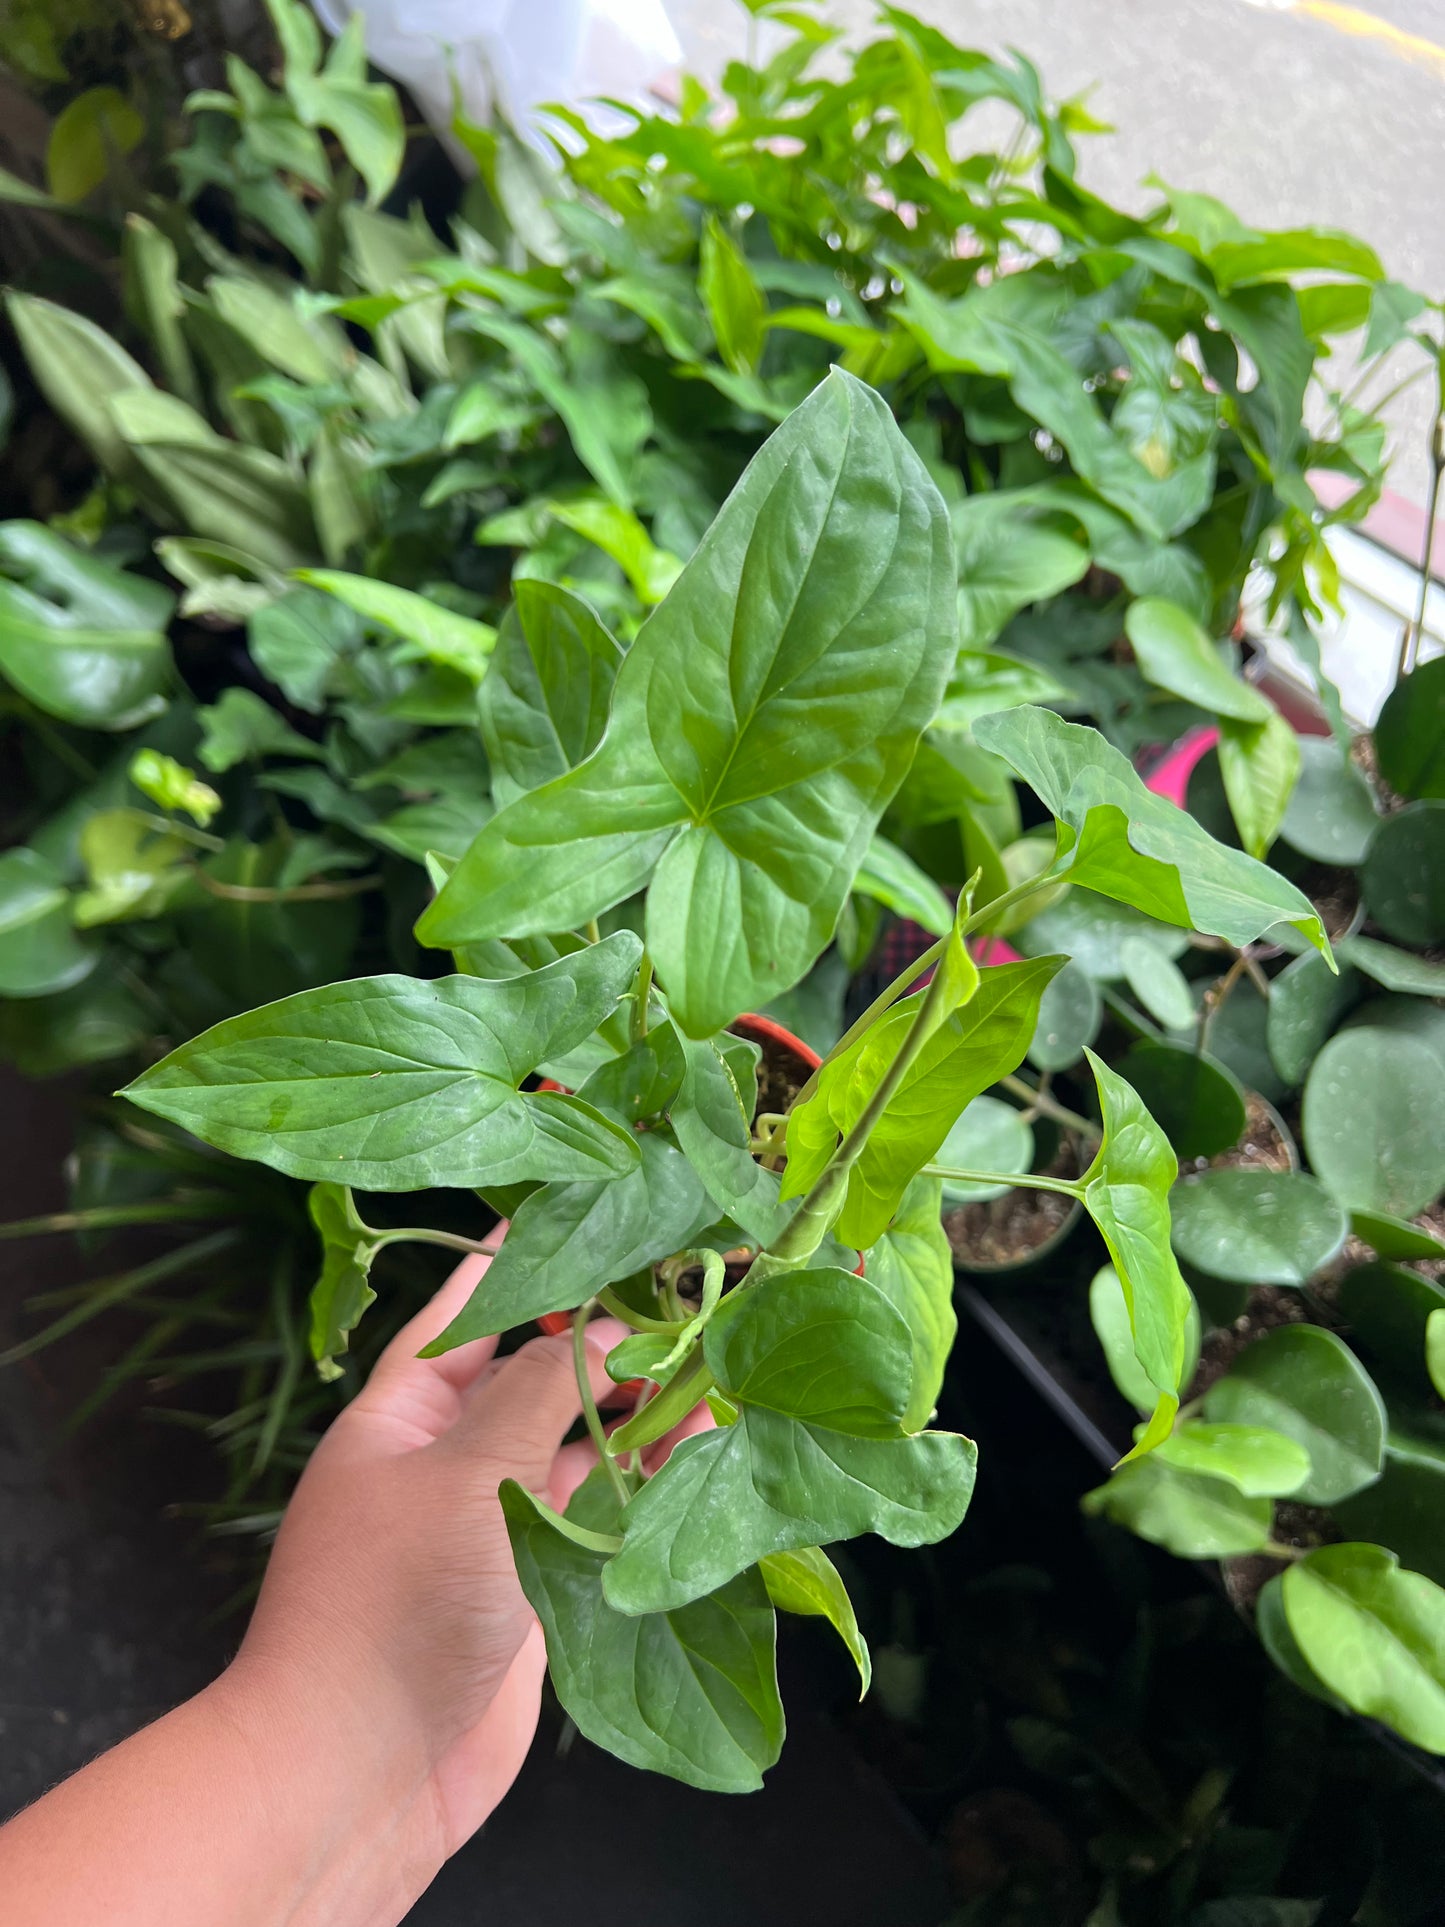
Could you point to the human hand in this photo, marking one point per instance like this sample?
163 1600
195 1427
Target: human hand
391 1602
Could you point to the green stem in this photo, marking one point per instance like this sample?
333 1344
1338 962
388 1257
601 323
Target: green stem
1020 893
1216 997
589 1404
1047 1106
1276 1549
592 933
638 1321
422 1235
297 893
1025 1180
643 992
1415 633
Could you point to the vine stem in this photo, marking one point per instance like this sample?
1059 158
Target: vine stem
1021 892
423 1235
1276 1549
1027 1180
589 1404
1045 1106
297 893
644 991
1415 631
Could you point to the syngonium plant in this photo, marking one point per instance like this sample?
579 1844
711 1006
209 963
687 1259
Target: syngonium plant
712 792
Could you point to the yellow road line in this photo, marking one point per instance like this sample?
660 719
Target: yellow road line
1361 25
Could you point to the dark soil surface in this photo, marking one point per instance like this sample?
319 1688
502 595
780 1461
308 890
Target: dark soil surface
1000 1231
1336 895
1263 1146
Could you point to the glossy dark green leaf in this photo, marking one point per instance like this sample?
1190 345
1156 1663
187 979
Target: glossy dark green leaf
1374 1128
1126 1193
1402 1509
1402 878
1070 1012
1394 1237
84 640
1135 846
767 1484
1374 1634
1190 1515
821 1346
807 1582
1093 931
1195 1101
1304 1382
1265 1227
974 1046
40 953
1257 1461
299 640
1394 969
1157 982
691 1692
1178 654
760 722
1410 732
569 1240
254 949
1388 1307
1008 556
642 1081
1331 815
241 726
394 1084
343 1291
912 1264
713 1127
544 703
1306 1001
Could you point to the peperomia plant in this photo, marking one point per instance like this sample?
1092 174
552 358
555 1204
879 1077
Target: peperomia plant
711 793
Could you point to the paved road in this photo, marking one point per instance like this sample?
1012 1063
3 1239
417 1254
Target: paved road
1292 111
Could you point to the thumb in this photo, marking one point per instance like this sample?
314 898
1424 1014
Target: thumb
517 1418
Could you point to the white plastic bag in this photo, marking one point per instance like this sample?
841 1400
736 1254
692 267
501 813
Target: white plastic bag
518 54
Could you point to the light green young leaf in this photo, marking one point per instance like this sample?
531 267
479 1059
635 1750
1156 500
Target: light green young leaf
544 702
767 1484
1178 654
134 865
1132 845
343 1291
1126 1193
807 1582
172 786
760 722
1305 1382
972 1048
84 640
86 137
690 1692
1008 557
895 880
733 299
618 533
435 634
153 298
1260 763
912 1263
1189 1515
1109 1315
393 1083
1261 1463
821 1346
311 348
569 1240
365 116
1374 1634
40 953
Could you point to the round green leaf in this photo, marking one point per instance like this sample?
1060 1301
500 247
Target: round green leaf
1260 1462
1389 1307
1269 1227
1374 1634
1280 1643
89 134
1395 1238
1238 1039
39 950
1192 1517
1091 929
1403 877
989 1136
1306 1001
1070 1011
1404 1507
1410 732
1304 1382
1196 1102
1374 1125
1331 816
1417 1018
1157 982
1109 1314
1178 654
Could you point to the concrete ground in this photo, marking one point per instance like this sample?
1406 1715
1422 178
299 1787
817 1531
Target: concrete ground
1293 112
